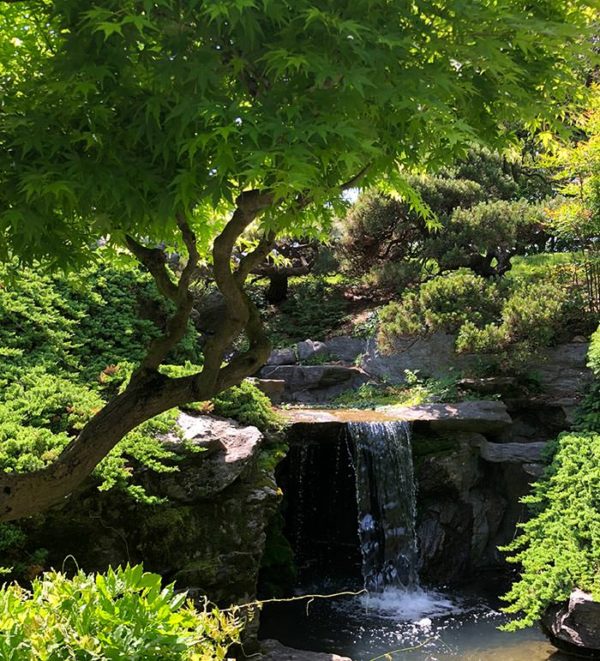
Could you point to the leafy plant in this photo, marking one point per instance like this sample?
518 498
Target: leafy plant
415 391
124 614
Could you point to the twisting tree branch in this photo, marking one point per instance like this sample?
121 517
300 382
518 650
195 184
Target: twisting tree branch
155 260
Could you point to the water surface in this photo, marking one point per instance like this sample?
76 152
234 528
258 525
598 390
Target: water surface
409 626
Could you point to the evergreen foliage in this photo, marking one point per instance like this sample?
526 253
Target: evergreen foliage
481 227
558 549
504 320
69 343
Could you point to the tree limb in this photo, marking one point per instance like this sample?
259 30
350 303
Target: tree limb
155 260
152 393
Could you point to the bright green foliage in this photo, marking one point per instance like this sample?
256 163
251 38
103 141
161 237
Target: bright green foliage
443 304
594 353
589 410
415 391
576 217
79 324
247 404
117 116
61 340
559 548
124 615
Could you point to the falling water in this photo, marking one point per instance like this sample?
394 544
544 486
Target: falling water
385 493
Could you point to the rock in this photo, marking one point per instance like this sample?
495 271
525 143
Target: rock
535 470
483 416
274 389
346 348
314 383
524 453
209 536
275 651
564 376
432 356
309 349
282 357
574 626
472 416
230 446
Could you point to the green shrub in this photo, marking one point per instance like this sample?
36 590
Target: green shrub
123 615
315 307
248 405
533 316
444 303
594 353
559 548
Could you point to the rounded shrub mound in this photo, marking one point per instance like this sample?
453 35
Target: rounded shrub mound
124 614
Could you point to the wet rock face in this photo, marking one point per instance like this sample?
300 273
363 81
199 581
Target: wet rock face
574 626
467 506
209 536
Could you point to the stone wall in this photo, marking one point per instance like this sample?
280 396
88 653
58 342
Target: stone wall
208 537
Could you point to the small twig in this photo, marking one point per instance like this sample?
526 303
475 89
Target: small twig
310 597
387 655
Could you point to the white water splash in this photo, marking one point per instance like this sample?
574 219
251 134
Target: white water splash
416 605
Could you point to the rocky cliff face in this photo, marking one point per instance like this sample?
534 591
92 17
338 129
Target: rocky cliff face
209 536
473 462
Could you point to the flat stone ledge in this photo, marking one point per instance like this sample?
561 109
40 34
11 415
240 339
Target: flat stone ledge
476 416
273 650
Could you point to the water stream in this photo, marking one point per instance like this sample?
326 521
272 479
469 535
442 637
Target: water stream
386 499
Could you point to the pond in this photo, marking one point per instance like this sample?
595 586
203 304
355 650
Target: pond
409 626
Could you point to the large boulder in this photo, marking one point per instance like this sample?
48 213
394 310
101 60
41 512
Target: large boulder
217 450
314 383
522 453
574 626
308 350
431 355
285 356
273 650
346 348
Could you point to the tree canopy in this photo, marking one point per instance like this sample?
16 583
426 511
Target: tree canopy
149 123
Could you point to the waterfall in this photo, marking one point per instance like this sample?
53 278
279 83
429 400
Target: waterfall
385 492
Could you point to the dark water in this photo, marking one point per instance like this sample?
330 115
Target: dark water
408 626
